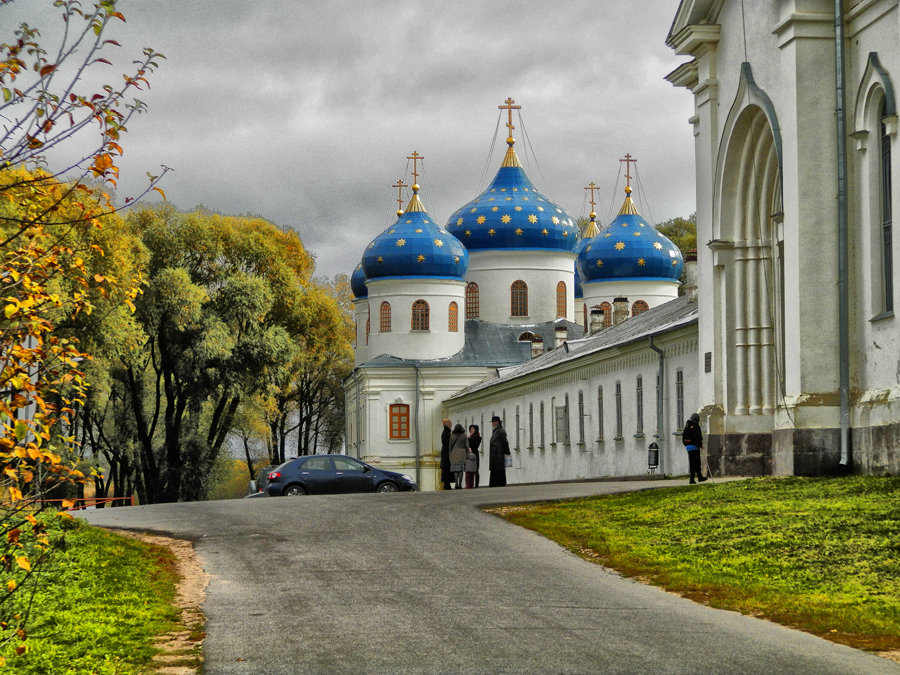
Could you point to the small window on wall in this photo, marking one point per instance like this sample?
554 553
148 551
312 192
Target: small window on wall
472 308
639 307
517 427
606 308
639 401
542 423
586 327
385 317
420 318
453 318
618 410
561 300
518 299
368 325
887 261
679 398
599 413
399 422
531 425
581 417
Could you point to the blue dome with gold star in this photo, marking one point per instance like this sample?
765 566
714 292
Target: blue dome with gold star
415 246
358 283
630 248
511 214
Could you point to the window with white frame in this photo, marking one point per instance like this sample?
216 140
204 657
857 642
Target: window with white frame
618 411
639 405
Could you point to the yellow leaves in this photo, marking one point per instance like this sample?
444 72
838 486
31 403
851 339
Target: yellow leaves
159 190
9 472
23 562
15 494
68 503
10 587
10 309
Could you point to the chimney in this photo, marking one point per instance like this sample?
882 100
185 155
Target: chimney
596 324
689 288
620 310
562 332
537 346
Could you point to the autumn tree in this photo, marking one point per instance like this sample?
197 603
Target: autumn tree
45 205
682 232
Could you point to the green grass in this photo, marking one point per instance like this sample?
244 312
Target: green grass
99 605
822 555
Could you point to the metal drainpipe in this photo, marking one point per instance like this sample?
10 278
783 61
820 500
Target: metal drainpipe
416 418
843 285
659 402
358 443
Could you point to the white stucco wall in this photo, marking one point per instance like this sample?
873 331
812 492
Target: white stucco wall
654 292
495 272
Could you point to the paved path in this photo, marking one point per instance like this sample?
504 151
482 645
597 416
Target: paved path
426 582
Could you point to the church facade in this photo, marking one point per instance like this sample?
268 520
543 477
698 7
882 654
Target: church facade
783 336
795 124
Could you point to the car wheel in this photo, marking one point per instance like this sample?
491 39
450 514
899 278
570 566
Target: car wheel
294 491
387 486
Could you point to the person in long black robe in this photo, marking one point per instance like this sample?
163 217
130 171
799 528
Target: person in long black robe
499 449
446 476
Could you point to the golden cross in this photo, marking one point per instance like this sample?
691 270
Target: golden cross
592 187
400 185
628 161
510 107
415 157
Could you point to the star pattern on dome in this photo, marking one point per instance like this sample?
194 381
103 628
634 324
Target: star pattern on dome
421 258
555 220
519 231
459 221
518 208
565 233
480 220
371 245
657 246
408 222
545 232
505 218
438 243
599 263
456 258
540 208
391 231
401 242
532 218
620 245
492 231
509 199
473 209
418 230
468 233
674 263
637 234
380 259
495 208
641 262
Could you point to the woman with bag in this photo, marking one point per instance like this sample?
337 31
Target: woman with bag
500 456
472 459
458 449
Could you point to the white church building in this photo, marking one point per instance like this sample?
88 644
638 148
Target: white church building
783 338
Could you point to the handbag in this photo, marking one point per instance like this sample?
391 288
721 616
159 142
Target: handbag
507 461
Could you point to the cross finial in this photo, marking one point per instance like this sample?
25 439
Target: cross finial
509 107
399 185
415 157
592 186
628 162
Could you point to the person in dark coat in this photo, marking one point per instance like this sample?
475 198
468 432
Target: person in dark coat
458 449
446 477
499 450
473 459
692 437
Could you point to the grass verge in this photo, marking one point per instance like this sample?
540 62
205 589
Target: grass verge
98 607
818 554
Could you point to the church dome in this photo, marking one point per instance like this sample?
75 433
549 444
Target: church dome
358 283
590 232
512 214
415 246
630 248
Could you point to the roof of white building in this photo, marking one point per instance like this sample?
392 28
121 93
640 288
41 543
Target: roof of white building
662 319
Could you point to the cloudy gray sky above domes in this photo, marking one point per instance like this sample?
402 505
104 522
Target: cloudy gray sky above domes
304 112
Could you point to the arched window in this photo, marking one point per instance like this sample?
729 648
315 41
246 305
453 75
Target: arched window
368 323
518 299
453 318
527 336
639 307
420 315
385 317
399 421
472 309
887 266
606 308
561 300
586 327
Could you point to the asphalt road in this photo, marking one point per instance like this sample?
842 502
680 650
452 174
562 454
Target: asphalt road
428 583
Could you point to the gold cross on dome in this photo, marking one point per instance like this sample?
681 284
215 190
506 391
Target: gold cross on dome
509 107
399 185
628 162
415 157
592 186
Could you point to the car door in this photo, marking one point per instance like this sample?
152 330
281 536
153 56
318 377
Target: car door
352 475
317 474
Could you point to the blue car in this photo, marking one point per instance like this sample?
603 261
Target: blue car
333 474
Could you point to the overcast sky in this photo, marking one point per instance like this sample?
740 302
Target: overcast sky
304 112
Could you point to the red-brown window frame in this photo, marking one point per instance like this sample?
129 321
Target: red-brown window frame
385 326
473 306
561 301
420 319
398 422
639 307
518 298
607 314
453 318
